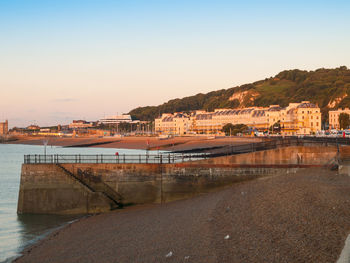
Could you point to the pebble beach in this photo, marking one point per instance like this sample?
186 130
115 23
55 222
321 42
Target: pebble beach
302 217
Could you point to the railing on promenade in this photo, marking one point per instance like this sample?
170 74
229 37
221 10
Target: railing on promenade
276 142
271 143
105 158
256 146
327 140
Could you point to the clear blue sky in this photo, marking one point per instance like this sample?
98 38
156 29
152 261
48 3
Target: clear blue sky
63 60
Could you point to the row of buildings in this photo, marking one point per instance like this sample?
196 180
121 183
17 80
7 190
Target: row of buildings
295 119
83 124
99 128
109 120
334 117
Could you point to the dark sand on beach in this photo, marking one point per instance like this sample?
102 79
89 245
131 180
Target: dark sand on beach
303 217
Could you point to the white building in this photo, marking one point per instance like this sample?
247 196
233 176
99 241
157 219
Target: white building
295 119
173 124
78 124
116 119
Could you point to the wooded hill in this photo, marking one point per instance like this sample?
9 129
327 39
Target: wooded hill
329 88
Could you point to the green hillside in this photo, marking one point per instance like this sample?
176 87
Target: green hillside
329 88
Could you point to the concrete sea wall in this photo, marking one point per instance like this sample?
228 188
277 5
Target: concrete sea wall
305 155
46 188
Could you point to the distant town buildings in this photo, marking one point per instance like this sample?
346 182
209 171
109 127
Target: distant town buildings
178 123
79 124
33 127
85 128
116 119
295 119
4 128
334 117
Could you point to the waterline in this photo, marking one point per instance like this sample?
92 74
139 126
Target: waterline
20 231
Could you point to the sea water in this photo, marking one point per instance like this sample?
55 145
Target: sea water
19 231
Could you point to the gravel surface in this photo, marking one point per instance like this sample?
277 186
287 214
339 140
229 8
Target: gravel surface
303 217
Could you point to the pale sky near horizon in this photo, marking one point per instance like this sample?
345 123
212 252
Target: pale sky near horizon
65 60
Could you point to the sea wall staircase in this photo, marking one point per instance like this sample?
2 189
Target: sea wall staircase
98 187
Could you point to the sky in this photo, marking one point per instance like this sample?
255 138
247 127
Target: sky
70 59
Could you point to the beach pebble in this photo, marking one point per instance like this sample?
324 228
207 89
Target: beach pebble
169 254
227 237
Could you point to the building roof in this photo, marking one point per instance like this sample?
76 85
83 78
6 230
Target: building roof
258 113
208 116
167 119
275 108
306 105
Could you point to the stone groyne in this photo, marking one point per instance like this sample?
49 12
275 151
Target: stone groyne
92 188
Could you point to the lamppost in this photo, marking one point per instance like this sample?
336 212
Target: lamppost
45 144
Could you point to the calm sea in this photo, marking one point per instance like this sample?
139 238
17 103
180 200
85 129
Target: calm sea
19 231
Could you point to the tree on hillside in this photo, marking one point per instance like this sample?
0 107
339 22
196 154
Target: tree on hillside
230 129
344 120
322 86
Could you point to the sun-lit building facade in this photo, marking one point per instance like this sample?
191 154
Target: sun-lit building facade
80 124
116 119
173 124
334 117
4 128
295 119
300 118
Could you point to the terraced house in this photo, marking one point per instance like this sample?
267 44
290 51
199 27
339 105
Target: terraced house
334 117
4 127
173 124
295 119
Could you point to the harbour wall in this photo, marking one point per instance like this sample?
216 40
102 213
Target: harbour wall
50 189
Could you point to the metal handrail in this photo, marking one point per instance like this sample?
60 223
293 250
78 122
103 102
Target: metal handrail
272 143
275 142
109 158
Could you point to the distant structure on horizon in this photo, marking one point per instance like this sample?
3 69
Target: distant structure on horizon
78 124
116 119
4 128
33 127
295 119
